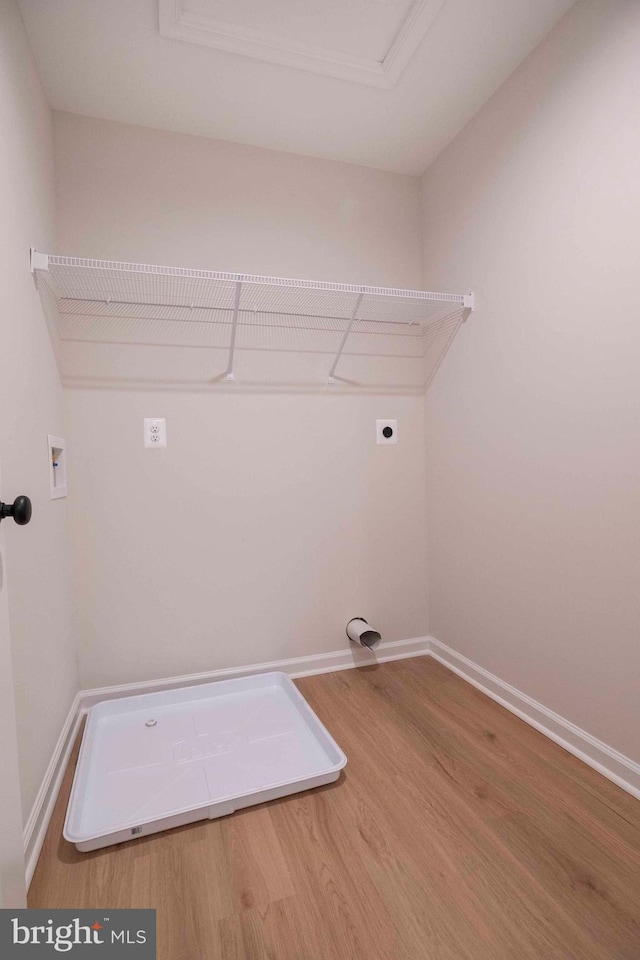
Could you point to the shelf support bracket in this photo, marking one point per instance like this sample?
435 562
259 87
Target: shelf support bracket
230 375
39 261
354 315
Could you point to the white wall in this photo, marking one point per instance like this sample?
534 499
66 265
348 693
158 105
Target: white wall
533 424
37 567
125 192
272 517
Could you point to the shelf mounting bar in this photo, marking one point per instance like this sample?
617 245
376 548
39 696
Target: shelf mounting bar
354 315
232 346
38 261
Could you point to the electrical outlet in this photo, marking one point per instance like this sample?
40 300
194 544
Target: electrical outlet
155 432
386 431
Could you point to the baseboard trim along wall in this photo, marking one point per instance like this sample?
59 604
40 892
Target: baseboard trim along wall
607 761
35 829
352 656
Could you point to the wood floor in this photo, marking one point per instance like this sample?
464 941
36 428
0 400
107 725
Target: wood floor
456 832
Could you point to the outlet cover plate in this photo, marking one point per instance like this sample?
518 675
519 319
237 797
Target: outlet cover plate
155 432
386 431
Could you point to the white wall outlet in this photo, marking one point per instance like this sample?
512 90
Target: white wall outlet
155 432
386 431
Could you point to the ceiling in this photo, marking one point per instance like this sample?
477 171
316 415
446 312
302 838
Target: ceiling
384 83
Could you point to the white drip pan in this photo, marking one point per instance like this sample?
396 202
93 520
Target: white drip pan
160 760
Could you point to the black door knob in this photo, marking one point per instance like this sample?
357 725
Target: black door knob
20 510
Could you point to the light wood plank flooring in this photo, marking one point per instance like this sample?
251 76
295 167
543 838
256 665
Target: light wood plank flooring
456 832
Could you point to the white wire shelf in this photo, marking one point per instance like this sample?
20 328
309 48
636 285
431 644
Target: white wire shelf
111 302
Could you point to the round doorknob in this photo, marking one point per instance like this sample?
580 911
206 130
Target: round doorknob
20 510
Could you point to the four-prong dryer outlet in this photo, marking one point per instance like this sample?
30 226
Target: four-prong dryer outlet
386 431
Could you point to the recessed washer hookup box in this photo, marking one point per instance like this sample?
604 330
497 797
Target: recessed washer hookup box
161 760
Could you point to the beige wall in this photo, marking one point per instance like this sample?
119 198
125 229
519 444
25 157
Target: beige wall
127 192
272 517
533 424
37 556
266 524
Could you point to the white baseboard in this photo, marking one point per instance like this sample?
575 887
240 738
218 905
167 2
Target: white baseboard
345 659
607 761
36 827
603 758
